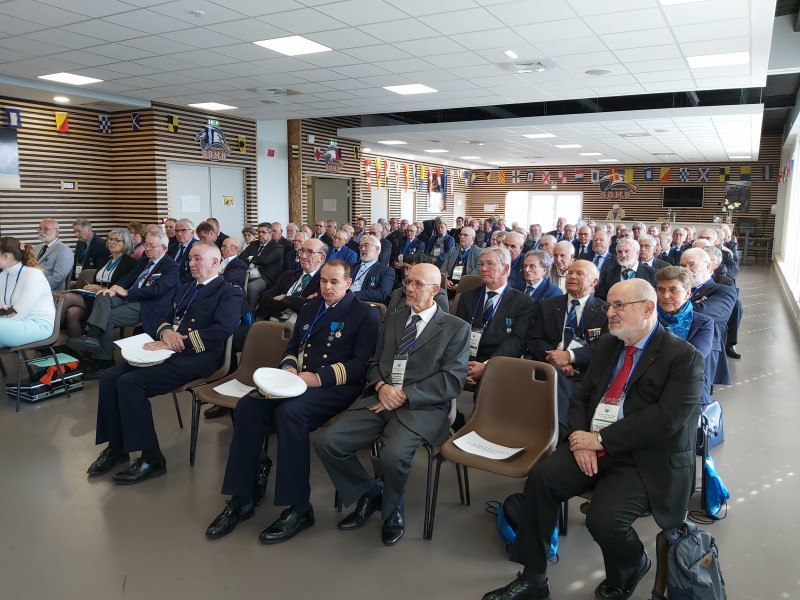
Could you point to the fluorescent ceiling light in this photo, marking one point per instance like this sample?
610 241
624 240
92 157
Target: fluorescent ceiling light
61 99
673 2
590 153
437 150
748 157
366 149
212 106
511 54
498 162
444 162
412 88
392 142
568 146
718 60
470 158
70 78
538 136
607 160
294 45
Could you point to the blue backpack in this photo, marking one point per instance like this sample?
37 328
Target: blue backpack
509 518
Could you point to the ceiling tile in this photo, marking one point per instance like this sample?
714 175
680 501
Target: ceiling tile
146 21
399 31
555 30
712 31
50 16
362 12
182 10
306 20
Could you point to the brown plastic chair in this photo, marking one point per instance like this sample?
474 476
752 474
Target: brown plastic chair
86 277
264 346
40 346
468 282
516 406
454 303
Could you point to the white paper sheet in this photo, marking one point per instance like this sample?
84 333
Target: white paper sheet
233 388
475 444
132 350
190 203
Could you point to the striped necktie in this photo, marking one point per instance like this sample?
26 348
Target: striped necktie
409 336
487 308
572 323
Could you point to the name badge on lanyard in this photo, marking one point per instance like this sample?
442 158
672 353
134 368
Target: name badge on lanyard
475 341
78 270
399 369
606 414
457 271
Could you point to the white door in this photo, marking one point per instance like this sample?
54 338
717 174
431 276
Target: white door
197 192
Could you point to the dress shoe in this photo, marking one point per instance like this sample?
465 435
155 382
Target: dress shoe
393 527
140 471
108 459
91 371
519 589
216 411
262 478
229 518
289 525
606 591
730 350
85 343
359 517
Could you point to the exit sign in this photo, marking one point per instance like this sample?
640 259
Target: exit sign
213 122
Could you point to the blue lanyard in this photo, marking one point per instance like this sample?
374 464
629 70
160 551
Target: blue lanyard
494 307
364 272
185 310
5 289
323 308
462 254
580 323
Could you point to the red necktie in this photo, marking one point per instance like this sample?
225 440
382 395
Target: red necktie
621 378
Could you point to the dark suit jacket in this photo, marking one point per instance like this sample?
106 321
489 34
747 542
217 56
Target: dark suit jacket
659 264
155 295
496 341
415 247
291 261
96 256
269 262
609 277
716 301
447 246
235 271
183 268
386 251
661 409
435 373
344 253
376 284
675 253
286 244
126 264
666 258
269 307
546 289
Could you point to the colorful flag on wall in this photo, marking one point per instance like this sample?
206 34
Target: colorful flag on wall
136 122
242 143
488 176
724 173
501 177
744 173
664 174
368 173
104 123
595 175
562 177
702 174
13 118
62 121
613 174
172 123
766 172
531 176
357 152
545 177
578 175
684 174
648 173
295 151
628 175
514 176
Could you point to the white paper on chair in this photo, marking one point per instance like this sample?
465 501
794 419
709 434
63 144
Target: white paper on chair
233 388
132 350
475 444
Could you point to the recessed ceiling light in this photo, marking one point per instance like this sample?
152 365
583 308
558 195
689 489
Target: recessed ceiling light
538 136
412 88
599 72
498 162
661 130
437 150
212 106
742 157
607 160
444 162
392 142
70 78
718 60
61 99
470 158
634 135
590 153
568 146
673 2
511 54
293 45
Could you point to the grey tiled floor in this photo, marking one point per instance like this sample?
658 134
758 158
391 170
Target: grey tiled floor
67 537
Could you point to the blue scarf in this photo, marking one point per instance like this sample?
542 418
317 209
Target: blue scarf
680 322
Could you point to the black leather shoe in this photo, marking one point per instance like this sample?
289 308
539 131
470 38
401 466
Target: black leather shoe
605 591
229 518
730 350
85 343
216 411
393 527
107 460
140 471
289 525
359 517
93 370
262 478
519 589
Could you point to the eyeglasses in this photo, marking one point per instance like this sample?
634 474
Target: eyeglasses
305 252
45 229
488 265
670 290
415 283
184 230
229 246
114 241
621 306
153 246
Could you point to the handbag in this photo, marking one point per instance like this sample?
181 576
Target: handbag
711 428
715 494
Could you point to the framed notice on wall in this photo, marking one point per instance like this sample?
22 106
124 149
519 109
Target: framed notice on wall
9 160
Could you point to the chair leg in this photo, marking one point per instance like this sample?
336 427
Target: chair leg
466 484
563 518
177 409
426 522
196 406
63 374
460 484
337 501
19 374
434 495
3 370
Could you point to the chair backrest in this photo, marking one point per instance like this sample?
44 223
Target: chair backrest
218 374
86 276
246 281
468 282
59 302
264 346
516 404
454 304
443 283
381 309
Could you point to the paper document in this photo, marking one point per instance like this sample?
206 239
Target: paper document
475 444
82 292
49 361
233 388
133 352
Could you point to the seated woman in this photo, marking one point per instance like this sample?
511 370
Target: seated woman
78 307
248 235
137 233
27 311
676 314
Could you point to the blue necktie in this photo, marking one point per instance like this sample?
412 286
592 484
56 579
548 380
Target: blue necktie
409 336
529 289
144 274
628 273
572 323
487 308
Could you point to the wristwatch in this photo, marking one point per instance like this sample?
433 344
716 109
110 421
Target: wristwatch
600 440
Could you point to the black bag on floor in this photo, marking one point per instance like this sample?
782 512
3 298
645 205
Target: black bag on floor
687 565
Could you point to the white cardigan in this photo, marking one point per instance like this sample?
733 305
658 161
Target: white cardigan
31 297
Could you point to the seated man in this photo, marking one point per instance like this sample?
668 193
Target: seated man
462 260
339 251
420 363
291 259
196 326
334 337
628 267
498 314
637 452
536 264
397 300
143 294
265 257
91 251
54 256
232 268
563 256
441 243
372 280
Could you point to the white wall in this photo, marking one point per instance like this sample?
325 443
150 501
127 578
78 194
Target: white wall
273 178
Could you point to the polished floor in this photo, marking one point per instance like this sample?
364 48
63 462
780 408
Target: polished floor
67 537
